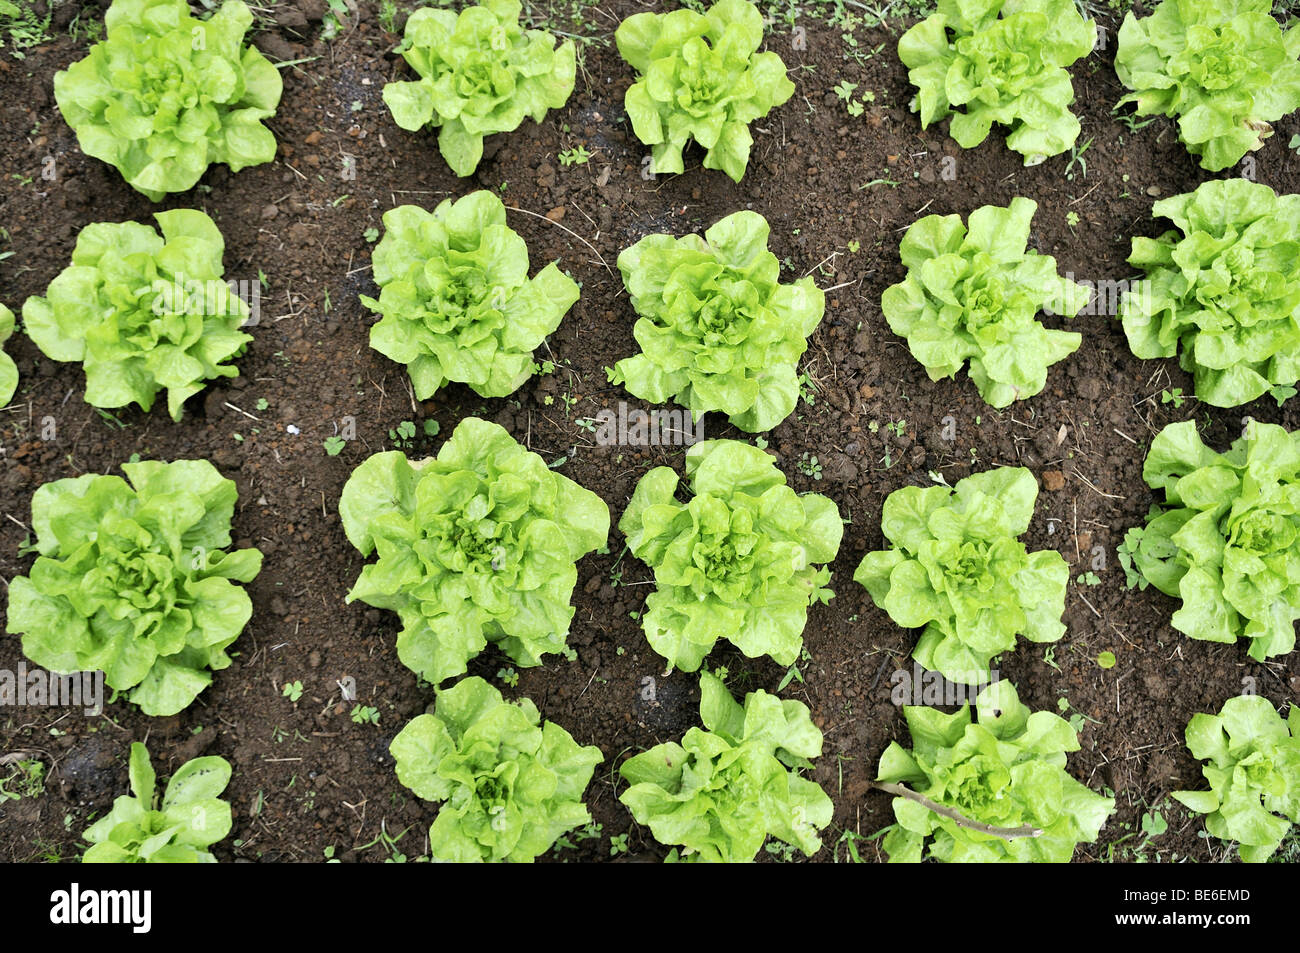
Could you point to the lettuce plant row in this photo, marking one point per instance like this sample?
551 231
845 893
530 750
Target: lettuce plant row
481 544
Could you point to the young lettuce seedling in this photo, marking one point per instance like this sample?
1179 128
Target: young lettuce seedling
143 312
717 329
456 299
1226 538
1003 62
990 789
1252 764
973 293
8 369
1221 291
190 817
741 561
958 570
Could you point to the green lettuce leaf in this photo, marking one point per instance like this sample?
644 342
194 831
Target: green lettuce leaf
717 330
8 369
1252 764
165 95
143 312
701 77
510 784
1226 539
480 73
1225 70
477 545
191 817
456 299
1005 770
1223 290
974 293
133 579
722 792
738 562
999 62
958 570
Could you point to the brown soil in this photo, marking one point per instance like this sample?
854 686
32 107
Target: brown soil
306 777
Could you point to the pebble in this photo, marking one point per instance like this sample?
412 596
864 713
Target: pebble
1053 481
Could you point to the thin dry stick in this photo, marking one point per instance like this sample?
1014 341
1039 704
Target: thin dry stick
598 255
1006 833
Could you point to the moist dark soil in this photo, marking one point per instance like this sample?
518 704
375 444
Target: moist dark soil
838 191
